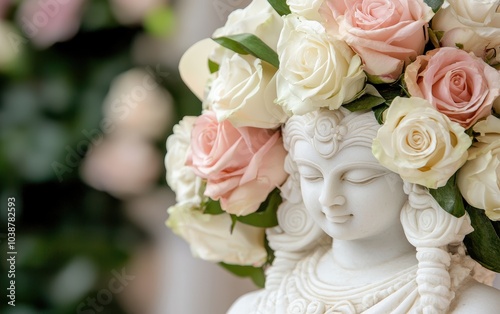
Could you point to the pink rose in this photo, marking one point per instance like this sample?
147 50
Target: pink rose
46 23
4 7
241 165
458 84
387 34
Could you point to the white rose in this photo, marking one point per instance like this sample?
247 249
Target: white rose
479 178
419 143
308 9
244 93
211 239
193 67
258 18
181 178
315 69
473 24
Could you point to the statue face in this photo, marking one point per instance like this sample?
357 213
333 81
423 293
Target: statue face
349 195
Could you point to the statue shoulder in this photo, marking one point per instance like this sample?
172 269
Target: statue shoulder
246 303
476 297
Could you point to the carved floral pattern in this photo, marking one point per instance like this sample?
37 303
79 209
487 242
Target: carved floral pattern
426 224
328 132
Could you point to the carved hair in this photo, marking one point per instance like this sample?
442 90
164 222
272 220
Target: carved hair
432 230
428 227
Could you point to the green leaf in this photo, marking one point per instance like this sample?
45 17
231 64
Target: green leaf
280 6
434 4
160 22
265 216
435 37
213 66
404 89
483 243
364 102
470 132
212 207
233 223
255 273
391 91
379 112
249 44
270 252
449 197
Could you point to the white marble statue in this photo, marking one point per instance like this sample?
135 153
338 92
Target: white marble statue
354 238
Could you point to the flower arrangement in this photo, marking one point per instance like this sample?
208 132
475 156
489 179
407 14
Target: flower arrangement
427 68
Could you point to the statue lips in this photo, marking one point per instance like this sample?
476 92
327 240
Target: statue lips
332 216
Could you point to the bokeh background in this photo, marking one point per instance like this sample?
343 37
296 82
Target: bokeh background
89 92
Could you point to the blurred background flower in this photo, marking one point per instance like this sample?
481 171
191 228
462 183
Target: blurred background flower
89 92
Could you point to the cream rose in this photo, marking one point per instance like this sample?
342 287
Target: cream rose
181 178
258 18
387 34
458 84
211 239
315 70
308 9
472 24
419 143
244 93
479 178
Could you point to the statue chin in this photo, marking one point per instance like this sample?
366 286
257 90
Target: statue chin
354 238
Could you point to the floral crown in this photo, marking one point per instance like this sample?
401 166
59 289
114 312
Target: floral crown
428 70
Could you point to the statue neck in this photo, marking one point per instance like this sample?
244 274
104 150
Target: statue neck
372 251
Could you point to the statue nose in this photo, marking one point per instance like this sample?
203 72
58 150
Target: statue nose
338 200
332 200
332 192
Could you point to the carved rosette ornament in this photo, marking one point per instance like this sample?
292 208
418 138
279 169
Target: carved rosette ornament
328 133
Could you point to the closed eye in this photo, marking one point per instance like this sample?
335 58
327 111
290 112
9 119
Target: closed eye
359 178
309 173
312 179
